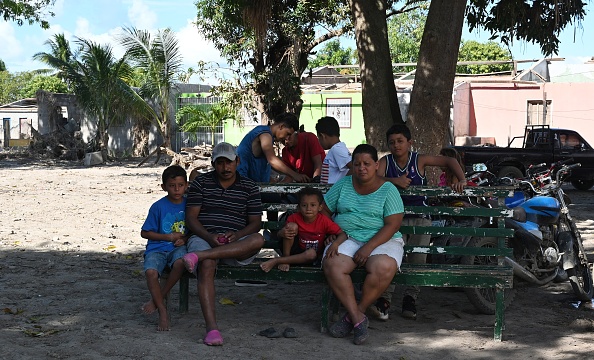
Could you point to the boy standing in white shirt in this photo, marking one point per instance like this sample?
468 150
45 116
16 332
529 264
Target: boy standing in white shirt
337 163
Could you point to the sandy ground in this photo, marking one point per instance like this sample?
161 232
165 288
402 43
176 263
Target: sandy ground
71 286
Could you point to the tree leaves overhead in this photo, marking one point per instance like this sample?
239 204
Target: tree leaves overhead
30 11
294 28
535 21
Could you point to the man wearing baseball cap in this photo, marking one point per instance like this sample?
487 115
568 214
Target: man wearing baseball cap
224 214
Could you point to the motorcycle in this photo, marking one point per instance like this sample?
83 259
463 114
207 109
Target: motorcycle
547 245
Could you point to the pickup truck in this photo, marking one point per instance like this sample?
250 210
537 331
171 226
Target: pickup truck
540 144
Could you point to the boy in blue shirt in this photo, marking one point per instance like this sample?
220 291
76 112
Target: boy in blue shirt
165 230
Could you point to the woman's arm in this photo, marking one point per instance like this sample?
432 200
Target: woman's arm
391 226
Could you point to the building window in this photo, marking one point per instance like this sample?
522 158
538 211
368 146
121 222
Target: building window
24 128
536 112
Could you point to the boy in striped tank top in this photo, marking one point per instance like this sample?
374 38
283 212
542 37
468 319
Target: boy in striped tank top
405 168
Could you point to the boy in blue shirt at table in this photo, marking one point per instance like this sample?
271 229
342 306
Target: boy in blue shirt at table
165 230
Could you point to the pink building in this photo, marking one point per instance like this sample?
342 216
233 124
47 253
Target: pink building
495 109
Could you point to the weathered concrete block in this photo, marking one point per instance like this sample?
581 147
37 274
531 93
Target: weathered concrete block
93 158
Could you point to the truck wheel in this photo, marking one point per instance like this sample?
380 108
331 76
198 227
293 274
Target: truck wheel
511 172
582 184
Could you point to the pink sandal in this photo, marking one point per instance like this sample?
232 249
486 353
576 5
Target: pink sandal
190 261
213 338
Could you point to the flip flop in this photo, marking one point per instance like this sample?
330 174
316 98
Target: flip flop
190 261
213 338
290 333
270 333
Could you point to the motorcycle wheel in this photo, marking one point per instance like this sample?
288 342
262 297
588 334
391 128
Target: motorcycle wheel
484 299
582 184
510 172
447 240
580 277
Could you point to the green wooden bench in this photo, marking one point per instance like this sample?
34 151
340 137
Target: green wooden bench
498 276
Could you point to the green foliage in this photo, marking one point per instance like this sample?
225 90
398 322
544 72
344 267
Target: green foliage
2 65
30 11
43 82
192 117
160 61
533 21
12 85
333 54
98 80
268 68
489 51
59 49
405 32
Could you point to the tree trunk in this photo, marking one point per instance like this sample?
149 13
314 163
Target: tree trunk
105 145
380 101
429 111
166 131
141 132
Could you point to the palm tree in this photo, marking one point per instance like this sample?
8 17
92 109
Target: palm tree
59 49
191 118
99 82
161 61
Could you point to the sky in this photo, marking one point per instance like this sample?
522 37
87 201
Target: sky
101 20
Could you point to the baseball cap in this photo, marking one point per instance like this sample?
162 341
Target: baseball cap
225 150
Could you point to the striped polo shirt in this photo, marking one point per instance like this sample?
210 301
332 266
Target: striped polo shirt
224 209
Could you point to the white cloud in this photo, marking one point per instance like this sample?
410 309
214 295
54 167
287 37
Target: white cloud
11 47
141 16
194 48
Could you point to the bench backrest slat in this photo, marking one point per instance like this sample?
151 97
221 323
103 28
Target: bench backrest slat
475 191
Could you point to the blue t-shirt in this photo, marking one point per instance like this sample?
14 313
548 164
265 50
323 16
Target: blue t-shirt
253 167
362 216
164 217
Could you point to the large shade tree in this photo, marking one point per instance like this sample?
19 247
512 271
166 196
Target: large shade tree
268 43
509 20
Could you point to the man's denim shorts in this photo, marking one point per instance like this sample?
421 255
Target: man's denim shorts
158 260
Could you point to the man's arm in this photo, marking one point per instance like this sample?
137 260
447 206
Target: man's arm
276 163
253 226
196 226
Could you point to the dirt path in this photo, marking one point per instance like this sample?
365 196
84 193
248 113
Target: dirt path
71 287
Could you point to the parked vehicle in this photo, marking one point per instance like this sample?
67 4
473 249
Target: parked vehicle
547 244
540 144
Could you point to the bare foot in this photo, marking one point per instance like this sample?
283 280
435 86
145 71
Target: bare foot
148 307
284 267
268 265
163 321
